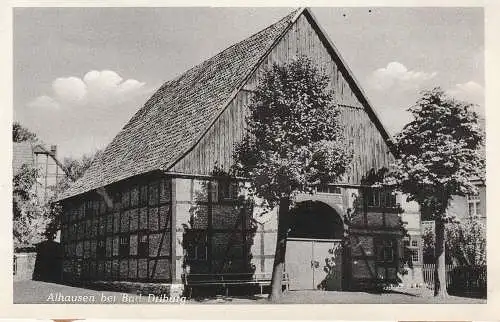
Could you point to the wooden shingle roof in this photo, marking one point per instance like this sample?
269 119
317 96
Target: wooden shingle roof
175 116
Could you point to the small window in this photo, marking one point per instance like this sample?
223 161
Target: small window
196 246
143 246
134 196
101 248
143 199
89 208
95 207
153 193
474 205
224 190
125 199
414 256
380 197
385 251
414 243
124 246
329 189
102 207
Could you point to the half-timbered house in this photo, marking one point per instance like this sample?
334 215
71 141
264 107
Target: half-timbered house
151 209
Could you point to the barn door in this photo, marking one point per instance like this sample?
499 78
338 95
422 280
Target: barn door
327 257
298 264
314 264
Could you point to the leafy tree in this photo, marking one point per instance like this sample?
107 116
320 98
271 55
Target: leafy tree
439 150
465 242
293 143
75 168
21 134
31 218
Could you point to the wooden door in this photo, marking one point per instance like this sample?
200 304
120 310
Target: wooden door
314 264
298 264
327 270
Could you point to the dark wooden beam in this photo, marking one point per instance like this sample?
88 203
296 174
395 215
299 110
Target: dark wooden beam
173 232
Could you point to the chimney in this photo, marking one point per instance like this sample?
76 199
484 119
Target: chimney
53 150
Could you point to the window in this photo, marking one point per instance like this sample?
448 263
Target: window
196 245
143 201
101 248
474 205
380 197
414 255
124 246
134 196
224 190
406 241
153 193
329 189
385 251
143 246
412 251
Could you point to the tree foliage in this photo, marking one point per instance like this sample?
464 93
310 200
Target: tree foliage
21 134
32 219
439 151
74 168
465 242
294 140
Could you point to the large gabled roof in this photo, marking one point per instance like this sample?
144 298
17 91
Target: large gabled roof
176 117
172 119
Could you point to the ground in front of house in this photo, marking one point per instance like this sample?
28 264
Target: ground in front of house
36 292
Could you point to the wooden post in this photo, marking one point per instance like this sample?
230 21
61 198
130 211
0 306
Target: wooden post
173 232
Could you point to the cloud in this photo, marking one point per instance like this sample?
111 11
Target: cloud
471 92
44 102
396 74
84 113
94 89
69 89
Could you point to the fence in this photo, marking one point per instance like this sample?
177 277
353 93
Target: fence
459 278
23 266
428 271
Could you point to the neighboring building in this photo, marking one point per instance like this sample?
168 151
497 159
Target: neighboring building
471 206
45 159
412 243
150 210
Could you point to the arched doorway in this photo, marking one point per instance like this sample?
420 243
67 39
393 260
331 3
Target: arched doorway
314 247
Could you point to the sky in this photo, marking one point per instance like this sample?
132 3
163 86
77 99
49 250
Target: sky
81 73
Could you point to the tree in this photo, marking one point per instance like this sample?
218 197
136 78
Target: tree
30 217
21 134
465 242
439 150
293 143
75 168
